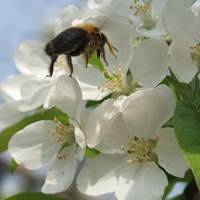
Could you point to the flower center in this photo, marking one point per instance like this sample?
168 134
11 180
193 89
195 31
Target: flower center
118 84
143 10
63 133
139 149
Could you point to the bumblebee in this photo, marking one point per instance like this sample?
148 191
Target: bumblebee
82 39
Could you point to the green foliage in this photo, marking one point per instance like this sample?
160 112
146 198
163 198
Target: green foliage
34 196
91 153
51 114
13 166
179 197
187 122
91 103
187 127
96 62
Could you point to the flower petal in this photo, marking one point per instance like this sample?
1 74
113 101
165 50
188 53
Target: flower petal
169 153
178 18
61 172
79 135
109 7
34 93
11 87
10 114
181 62
90 79
98 177
115 136
35 145
149 64
31 59
147 110
99 122
141 181
66 17
66 94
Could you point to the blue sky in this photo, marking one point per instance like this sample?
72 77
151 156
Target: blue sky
23 19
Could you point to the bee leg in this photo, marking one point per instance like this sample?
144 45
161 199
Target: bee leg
86 57
69 62
98 53
111 47
51 67
103 54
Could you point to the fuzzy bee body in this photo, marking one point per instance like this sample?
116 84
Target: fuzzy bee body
84 39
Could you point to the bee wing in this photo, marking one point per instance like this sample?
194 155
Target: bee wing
70 41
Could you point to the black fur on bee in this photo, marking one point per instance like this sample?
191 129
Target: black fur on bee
83 39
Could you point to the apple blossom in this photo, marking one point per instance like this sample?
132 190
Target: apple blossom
145 15
129 133
50 141
60 142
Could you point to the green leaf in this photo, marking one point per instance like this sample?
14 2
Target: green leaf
13 166
179 197
96 62
51 114
91 153
91 103
187 128
34 196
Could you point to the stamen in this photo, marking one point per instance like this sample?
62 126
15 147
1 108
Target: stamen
116 83
63 133
61 157
140 148
195 54
143 10
61 62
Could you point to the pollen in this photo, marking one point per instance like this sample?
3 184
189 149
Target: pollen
139 149
63 133
195 54
142 8
61 61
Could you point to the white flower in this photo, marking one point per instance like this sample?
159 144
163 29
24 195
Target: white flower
62 145
184 29
149 66
146 15
130 136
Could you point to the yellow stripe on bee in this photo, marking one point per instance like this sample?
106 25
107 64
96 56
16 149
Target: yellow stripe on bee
88 27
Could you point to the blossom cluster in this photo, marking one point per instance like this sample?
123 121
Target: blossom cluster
120 112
